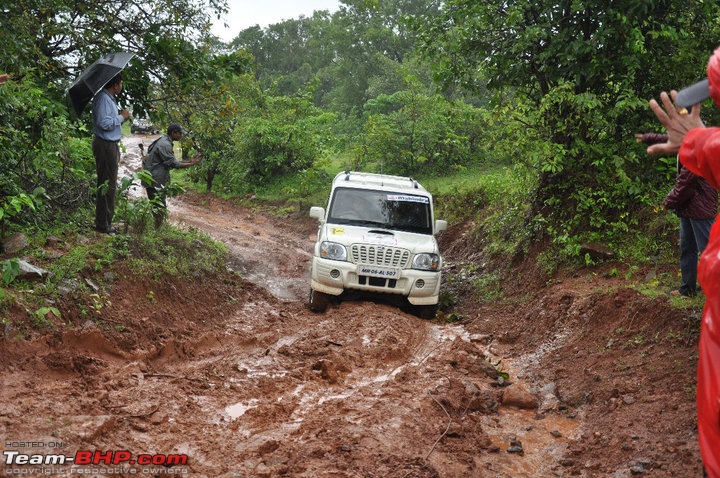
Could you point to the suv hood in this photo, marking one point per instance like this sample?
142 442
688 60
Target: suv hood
346 235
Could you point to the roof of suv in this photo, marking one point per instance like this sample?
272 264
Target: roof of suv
355 179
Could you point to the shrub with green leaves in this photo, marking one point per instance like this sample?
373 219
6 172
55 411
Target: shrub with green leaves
45 168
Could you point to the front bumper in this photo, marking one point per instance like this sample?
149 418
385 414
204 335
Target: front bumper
334 277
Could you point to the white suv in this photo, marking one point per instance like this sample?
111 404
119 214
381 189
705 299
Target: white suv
377 235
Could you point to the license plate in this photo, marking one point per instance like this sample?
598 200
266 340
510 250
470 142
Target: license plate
373 271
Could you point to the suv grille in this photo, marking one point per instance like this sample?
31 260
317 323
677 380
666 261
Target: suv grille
379 255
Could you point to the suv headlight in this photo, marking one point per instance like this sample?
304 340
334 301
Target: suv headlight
426 262
333 250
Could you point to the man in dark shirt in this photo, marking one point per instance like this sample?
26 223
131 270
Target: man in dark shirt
696 204
160 160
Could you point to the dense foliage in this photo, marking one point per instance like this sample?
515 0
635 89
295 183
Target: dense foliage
553 90
580 74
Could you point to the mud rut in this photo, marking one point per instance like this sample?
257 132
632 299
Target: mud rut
364 390
387 394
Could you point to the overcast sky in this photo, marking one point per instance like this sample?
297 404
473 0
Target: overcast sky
246 13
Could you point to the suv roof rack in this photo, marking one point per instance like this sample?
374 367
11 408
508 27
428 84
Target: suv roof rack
357 178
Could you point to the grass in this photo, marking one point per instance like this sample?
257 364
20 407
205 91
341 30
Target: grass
80 270
174 252
495 180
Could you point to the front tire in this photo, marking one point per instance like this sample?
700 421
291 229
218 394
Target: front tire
318 301
427 312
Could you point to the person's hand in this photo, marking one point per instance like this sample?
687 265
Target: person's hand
125 114
193 161
677 122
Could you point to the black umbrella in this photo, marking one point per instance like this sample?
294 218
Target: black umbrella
94 77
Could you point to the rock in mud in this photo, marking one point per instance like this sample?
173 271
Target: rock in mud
328 370
483 339
597 251
31 272
68 286
517 395
548 398
515 446
640 466
88 427
469 360
14 243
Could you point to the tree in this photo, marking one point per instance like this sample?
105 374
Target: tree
537 45
367 36
215 105
286 52
587 69
349 52
410 132
286 136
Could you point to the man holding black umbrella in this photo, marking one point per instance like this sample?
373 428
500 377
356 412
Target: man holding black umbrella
107 124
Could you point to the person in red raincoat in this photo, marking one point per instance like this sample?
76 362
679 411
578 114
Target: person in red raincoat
699 151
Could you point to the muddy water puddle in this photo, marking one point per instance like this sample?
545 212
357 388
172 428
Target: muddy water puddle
238 409
529 443
131 161
263 253
543 442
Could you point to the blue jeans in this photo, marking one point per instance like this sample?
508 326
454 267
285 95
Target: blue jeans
694 234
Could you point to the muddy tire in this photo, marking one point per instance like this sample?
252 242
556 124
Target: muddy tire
424 311
318 301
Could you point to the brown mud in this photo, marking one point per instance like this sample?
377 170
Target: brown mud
581 376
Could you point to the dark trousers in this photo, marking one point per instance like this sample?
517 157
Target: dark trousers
107 158
157 196
694 234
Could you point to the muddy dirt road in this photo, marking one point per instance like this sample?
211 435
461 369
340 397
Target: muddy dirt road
272 389
237 378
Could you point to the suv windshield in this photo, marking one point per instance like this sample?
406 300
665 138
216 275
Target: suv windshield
371 208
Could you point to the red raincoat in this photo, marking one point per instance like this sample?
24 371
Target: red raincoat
700 153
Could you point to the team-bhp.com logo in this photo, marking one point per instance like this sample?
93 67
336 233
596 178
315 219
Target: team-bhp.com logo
84 458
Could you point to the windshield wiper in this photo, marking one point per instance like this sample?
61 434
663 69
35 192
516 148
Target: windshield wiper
357 222
410 228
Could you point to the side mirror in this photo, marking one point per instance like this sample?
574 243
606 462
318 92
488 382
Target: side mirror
440 226
317 212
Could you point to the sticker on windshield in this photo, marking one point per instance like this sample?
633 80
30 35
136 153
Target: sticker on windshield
404 198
